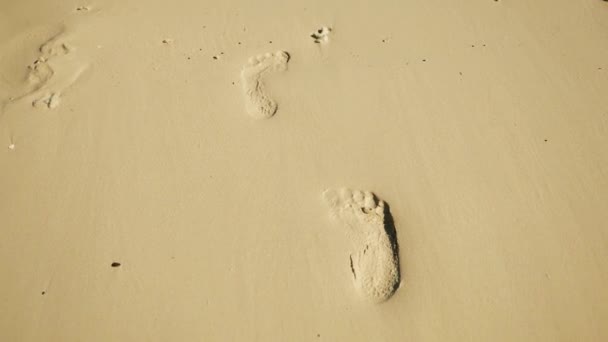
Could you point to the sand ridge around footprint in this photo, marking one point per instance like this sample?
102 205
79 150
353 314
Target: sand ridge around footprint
368 222
257 103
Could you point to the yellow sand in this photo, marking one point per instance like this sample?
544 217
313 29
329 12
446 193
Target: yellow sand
483 124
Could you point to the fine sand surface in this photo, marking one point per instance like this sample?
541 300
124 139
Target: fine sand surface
223 170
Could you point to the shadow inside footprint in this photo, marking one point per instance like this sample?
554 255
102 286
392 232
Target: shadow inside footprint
391 232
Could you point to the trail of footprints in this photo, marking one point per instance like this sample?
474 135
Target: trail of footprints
374 261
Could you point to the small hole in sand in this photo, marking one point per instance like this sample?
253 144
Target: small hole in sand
115 264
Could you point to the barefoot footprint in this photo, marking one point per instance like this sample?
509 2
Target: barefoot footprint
375 262
52 73
258 104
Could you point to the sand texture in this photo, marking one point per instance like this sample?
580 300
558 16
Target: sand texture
303 170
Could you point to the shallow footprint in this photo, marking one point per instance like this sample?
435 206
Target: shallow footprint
375 262
53 72
258 104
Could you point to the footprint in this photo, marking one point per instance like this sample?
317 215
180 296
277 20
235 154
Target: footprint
375 262
55 46
258 104
55 70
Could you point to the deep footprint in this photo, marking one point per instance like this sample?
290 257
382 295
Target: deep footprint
375 262
257 102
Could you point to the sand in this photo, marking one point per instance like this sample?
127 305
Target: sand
157 184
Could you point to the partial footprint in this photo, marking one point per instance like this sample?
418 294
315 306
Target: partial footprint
375 261
39 73
55 70
258 104
55 46
321 35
